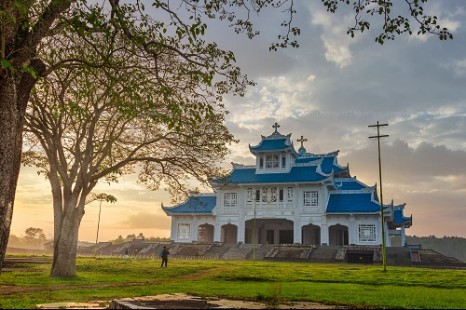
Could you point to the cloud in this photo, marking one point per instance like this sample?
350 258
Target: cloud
144 220
276 97
411 166
336 41
458 66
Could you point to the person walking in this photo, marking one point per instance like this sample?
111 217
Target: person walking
164 256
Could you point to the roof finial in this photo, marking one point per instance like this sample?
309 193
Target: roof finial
302 140
276 126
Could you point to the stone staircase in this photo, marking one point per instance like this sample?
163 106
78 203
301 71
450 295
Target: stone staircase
397 256
241 251
432 258
218 250
289 253
189 250
324 254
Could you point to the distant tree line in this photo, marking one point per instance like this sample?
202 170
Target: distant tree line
140 236
448 246
34 238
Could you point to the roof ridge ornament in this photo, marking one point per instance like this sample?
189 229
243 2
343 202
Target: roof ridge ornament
302 149
276 126
302 140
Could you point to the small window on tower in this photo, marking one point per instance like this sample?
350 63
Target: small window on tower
271 161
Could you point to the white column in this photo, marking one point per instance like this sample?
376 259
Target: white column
297 232
388 240
324 238
174 229
403 236
352 230
217 231
240 231
194 229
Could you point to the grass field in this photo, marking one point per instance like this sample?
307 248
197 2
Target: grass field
353 285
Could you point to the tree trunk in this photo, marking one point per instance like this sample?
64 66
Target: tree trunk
66 243
11 128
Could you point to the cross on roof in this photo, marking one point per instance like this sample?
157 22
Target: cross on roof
302 140
276 126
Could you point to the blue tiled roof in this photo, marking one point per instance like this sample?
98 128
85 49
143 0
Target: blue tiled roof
305 160
398 217
352 203
296 174
328 166
349 184
195 204
271 144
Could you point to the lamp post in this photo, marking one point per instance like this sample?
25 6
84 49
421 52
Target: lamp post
378 136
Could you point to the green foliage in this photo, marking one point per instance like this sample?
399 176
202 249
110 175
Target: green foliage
34 239
393 25
356 286
132 237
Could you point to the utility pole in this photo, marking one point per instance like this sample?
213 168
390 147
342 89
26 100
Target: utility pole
98 225
101 197
254 234
378 136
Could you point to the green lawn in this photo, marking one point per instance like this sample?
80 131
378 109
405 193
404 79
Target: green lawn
354 285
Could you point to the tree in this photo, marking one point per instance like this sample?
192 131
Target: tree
86 124
392 24
35 236
119 239
28 27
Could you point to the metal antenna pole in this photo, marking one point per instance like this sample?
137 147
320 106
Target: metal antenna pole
378 136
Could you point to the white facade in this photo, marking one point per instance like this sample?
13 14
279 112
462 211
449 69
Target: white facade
287 197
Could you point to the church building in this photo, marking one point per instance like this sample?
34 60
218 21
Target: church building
288 197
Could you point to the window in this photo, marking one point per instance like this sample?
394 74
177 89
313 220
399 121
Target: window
261 163
183 231
271 161
289 194
269 194
230 200
311 198
283 162
249 195
280 195
367 232
258 195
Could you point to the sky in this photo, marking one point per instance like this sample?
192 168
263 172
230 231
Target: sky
329 90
